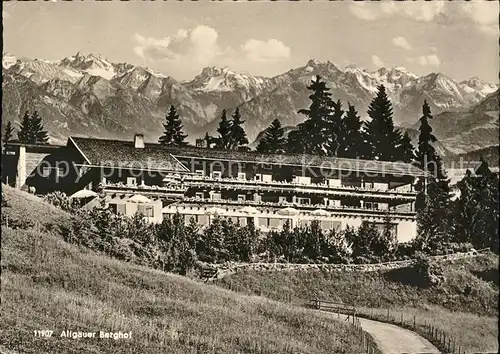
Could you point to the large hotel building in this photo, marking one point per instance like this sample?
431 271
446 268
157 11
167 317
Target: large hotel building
202 183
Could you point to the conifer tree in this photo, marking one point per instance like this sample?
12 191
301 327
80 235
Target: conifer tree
294 142
237 133
334 129
433 201
274 140
31 130
224 139
9 132
476 212
173 135
381 134
350 138
315 133
427 157
405 151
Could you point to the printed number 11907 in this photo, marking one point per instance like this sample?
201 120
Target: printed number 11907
45 333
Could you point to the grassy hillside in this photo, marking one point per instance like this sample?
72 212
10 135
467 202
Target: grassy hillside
405 287
48 284
464 304
27 210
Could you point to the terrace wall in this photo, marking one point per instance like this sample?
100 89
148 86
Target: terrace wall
233 267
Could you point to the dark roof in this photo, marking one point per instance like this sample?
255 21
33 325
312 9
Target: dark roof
333 163
34 147
123 154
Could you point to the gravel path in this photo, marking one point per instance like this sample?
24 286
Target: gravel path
392 339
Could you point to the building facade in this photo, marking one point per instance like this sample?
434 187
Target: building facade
266 189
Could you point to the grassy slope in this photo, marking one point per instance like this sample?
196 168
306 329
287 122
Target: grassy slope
30 208
472 317
49 284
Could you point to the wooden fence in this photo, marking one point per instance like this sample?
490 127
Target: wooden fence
208 273
438 337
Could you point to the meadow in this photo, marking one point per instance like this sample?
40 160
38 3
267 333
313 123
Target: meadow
48 284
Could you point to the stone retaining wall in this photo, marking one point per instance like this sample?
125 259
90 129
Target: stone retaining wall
233 267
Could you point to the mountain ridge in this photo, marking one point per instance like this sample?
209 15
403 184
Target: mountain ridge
112 99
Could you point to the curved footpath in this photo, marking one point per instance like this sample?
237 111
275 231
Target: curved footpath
392 339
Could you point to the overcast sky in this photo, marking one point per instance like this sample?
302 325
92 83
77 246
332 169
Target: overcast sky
262 38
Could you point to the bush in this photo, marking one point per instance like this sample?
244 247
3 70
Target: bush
61 200
431 272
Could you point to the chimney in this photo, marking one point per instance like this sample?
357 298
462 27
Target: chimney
139 141
201 143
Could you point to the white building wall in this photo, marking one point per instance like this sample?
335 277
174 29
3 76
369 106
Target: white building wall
406 231
381 186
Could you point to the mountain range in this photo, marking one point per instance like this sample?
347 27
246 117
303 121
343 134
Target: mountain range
86 94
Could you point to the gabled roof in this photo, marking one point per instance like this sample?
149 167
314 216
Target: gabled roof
123 154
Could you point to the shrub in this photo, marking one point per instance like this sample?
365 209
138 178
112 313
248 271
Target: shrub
430 271
61 200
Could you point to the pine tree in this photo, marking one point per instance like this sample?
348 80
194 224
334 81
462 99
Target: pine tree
427 157
9 132
476 212
351 142
381 134
315 133
224 140
274 140
334 132
237 133
31 130
433 201
294 142
173 135
405 151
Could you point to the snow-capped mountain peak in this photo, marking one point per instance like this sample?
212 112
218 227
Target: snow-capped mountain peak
475 84
223 79
92 64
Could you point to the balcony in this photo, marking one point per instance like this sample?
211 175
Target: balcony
177 190
352 210
403 192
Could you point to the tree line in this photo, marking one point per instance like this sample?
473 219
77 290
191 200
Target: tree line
31 130
328 130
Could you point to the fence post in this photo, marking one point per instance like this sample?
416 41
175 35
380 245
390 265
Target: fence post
414 322
402 318
444 339
387 314
449 343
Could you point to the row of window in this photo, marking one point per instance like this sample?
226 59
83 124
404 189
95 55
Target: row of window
146 210
298 200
